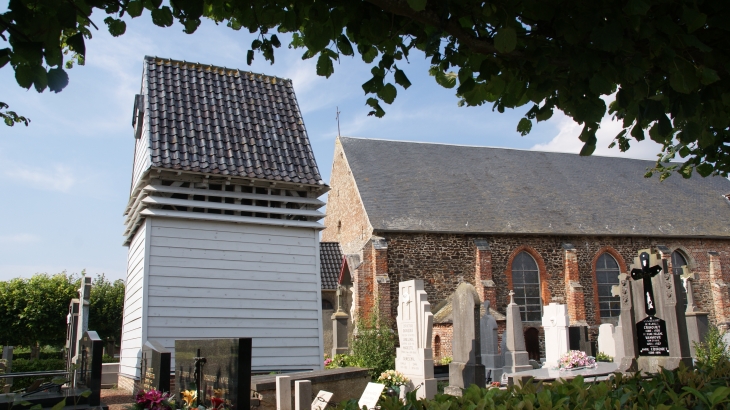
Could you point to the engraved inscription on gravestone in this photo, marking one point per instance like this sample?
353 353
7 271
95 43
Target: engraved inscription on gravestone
155 367
652 337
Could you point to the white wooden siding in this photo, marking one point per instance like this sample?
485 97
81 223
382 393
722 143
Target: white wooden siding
132 322
222 280
142 159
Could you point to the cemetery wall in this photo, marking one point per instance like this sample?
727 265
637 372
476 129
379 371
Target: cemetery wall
132 322
443 348
221 280
346 218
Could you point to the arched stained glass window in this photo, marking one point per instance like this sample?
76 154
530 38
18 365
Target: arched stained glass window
607 272
526 284
678 260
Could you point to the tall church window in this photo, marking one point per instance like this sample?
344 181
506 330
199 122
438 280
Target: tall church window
678 260
526 284
607 272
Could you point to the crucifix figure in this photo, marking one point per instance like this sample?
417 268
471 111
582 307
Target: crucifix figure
198 376
646 273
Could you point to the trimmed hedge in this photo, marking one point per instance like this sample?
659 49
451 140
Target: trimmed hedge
682 388
42 355
25 365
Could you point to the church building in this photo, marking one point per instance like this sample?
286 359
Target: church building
553 227
222 222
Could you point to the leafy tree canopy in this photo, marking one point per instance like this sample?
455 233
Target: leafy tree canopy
665 60
33 311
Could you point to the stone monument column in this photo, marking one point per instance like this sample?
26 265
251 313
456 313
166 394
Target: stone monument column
491 359
339 324
414 357
83 319
624 335
515 358
555 321
466 368
697 322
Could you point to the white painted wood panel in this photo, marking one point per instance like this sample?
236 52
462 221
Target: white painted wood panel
223 280
132 321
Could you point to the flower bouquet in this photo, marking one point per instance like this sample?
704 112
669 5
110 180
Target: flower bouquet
393 379
575 360
153 400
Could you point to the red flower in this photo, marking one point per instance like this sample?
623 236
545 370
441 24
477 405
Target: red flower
216 401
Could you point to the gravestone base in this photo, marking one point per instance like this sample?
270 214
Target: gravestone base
424 386
627 364
463 374
648 364
511 360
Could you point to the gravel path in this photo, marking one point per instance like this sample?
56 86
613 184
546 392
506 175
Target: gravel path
117 399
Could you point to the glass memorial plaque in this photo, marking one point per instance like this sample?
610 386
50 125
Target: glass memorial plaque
652 337
215 368
90 365
155 367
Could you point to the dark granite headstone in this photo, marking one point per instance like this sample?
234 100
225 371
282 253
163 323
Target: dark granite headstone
220 367
155 367
652 337
92 348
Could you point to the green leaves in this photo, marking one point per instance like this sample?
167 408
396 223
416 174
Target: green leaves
57 79
76 43
693 19
162 17
417 5
24 75
116 27
524 126
683 78
134 8
505 40
401 79
325 67
446 80
388 93
344 45
377 110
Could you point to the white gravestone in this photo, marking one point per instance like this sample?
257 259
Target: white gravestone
370 396
606 342
414 357
322 400
555 322
491 359
283 393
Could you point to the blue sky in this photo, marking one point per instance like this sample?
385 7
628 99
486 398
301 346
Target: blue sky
65 179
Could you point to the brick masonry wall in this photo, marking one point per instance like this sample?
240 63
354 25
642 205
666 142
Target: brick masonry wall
443 260
346 221
445 334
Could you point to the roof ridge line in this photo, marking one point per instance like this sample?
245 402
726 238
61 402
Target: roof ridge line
171 60
491 147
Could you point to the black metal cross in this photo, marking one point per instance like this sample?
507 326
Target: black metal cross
199 363
646 273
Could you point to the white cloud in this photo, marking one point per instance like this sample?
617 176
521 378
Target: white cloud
56 178
567 140
20 238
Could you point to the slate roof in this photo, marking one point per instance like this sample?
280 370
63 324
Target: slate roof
425 187
219 120
330 262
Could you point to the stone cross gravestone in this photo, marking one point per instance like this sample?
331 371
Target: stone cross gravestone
414 357
155 367
555 322
660 328
515 358
491 358
215 366
466 368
